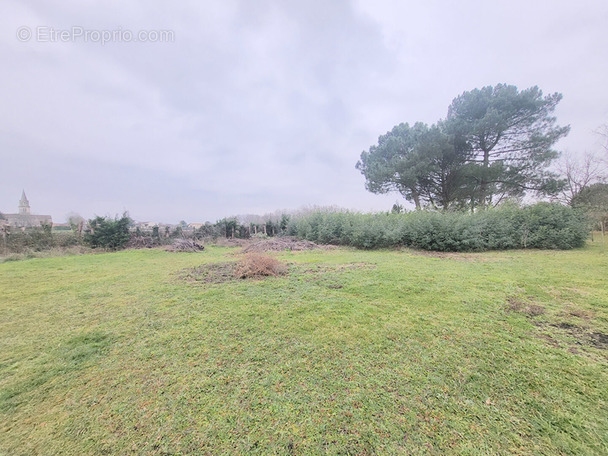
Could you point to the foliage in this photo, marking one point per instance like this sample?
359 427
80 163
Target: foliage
35 239
511 135
207 231
398 208
108 233
66 239
544 225
495 143
419 162
594 201
244 227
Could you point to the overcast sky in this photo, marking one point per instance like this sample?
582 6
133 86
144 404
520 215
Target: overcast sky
251 106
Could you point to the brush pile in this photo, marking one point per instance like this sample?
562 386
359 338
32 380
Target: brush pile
185 245
280 244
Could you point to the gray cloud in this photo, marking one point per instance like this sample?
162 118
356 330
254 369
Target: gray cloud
262 105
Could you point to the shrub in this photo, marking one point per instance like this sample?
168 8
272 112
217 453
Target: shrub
543 225
552 226
258 265
66 239
108 233
36 239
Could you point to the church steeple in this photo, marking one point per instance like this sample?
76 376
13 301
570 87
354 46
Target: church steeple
24 204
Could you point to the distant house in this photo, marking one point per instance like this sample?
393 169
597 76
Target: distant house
146 225
25 219
195 226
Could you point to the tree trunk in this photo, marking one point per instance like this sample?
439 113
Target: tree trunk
416 198
483 186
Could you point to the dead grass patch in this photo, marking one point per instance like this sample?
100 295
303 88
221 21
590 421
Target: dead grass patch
531 310
583 336
258 265
581 313
600 340
577 338
547 338
252 265
209 273
280 244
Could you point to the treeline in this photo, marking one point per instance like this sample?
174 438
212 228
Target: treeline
246 226
542 226
114 233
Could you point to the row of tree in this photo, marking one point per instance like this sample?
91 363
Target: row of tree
496 143
542 225
247 226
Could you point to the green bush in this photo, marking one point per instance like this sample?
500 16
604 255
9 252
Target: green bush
553 226
543 225
108 233
66 239
31 239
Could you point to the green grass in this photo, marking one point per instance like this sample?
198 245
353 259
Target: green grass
353 352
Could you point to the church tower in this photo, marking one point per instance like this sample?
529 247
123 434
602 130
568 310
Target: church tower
24 205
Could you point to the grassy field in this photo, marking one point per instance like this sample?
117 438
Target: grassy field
352 352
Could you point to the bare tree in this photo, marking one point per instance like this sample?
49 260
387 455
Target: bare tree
603 131
579 173
76 222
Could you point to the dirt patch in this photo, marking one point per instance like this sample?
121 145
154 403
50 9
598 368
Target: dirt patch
518 305
547 338
254 265
583 336
553 332
280 244
580 313
580 336
599 340
569 326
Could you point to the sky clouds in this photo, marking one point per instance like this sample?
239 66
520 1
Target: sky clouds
257 106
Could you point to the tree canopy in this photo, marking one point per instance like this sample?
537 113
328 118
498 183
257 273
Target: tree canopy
594 201
495 142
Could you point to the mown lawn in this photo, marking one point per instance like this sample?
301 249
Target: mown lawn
353 352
